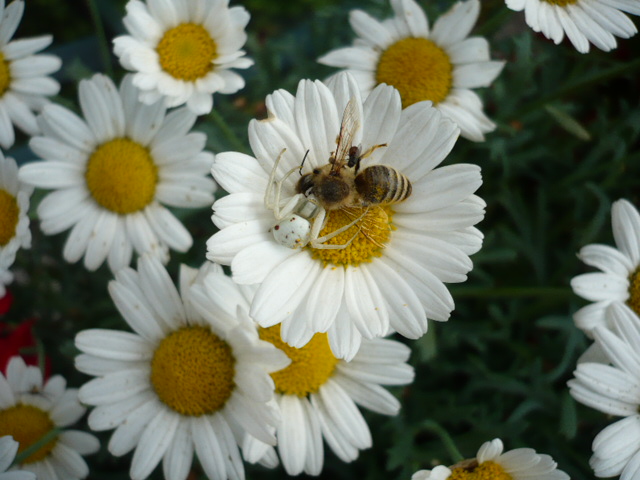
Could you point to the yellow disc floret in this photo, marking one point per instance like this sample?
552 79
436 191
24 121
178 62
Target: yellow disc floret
9 215
187 52
561 3
27 424
418 68
634 291
121 176
485 471
311 366
364 241
192 371
5 75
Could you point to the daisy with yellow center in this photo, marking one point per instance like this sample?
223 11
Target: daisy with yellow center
114 172
183 51
583 21
380 267
193 378
618 281
14 219
25 83
610 385
36 412
441 65
492 464
318 393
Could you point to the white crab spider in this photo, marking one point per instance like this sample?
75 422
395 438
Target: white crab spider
294 228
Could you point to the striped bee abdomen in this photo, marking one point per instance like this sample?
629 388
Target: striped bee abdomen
382 185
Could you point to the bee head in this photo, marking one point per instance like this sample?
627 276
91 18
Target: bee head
305 184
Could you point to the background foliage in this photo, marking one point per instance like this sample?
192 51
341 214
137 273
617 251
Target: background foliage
565 148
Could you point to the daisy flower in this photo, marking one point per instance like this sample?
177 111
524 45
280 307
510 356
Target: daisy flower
613 389
183 51
318 393
31 409
8 450
385 271
441 64
24 77
619 279
193 378
490 462
14 219
113 173
583 21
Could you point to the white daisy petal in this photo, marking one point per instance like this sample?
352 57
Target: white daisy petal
625 222
292 434
600 286
456 24
153 444
369 29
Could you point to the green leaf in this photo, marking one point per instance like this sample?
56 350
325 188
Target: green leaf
569 123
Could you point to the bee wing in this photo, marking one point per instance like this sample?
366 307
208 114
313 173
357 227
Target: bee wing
348 128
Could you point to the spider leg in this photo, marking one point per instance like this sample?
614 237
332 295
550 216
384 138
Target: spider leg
365 230
319 242
270 203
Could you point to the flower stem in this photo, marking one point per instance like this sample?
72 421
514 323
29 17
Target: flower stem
449 444
33 448
105 52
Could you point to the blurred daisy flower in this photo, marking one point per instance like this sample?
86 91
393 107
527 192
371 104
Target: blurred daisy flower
318 393
619 279
24 77
583 21
14 219
183 51
381 267
31 409
194 377
8 450
114 171
612 388
492 463
441 64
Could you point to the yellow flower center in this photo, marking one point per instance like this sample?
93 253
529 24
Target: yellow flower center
561 3
418 68
9 215
192 371
485 471
634 291
5 75
121 176
364 240
27 424
311 366
187 52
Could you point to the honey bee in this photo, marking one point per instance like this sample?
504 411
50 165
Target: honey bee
300 220
340 184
